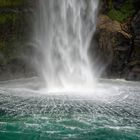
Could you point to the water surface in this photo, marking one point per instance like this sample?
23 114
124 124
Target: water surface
110 112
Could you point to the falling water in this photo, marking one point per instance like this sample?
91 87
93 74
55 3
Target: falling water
63 32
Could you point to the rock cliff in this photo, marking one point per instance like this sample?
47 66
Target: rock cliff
118 30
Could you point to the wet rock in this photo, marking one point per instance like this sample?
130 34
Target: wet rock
134 65
118 3
136 35
14 33
16 68
134 71
137 5
114 46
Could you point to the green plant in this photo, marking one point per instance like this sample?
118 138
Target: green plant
125 11
9 3
5 18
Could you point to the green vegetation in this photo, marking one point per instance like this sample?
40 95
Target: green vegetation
11 33
8 35
9 50
8 17
124 12
9 3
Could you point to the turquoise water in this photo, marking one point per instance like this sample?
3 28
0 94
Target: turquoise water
107 115
68 128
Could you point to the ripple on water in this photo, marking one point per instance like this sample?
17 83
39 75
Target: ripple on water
111 113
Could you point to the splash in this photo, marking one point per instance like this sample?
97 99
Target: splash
63 32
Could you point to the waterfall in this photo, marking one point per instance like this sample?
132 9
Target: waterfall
63 32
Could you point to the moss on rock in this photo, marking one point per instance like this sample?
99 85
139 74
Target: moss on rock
9 3
8 17
125 11
11 30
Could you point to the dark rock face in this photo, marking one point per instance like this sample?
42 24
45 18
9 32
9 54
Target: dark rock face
137 5
15 68
118 3
119 42
136 29
114 47
14 32
134 65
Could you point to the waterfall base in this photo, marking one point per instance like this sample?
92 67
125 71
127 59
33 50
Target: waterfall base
110 112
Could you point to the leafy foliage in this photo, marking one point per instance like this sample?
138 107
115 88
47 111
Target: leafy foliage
8 17
125 11
9 3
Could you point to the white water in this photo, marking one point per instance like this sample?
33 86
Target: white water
63 32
